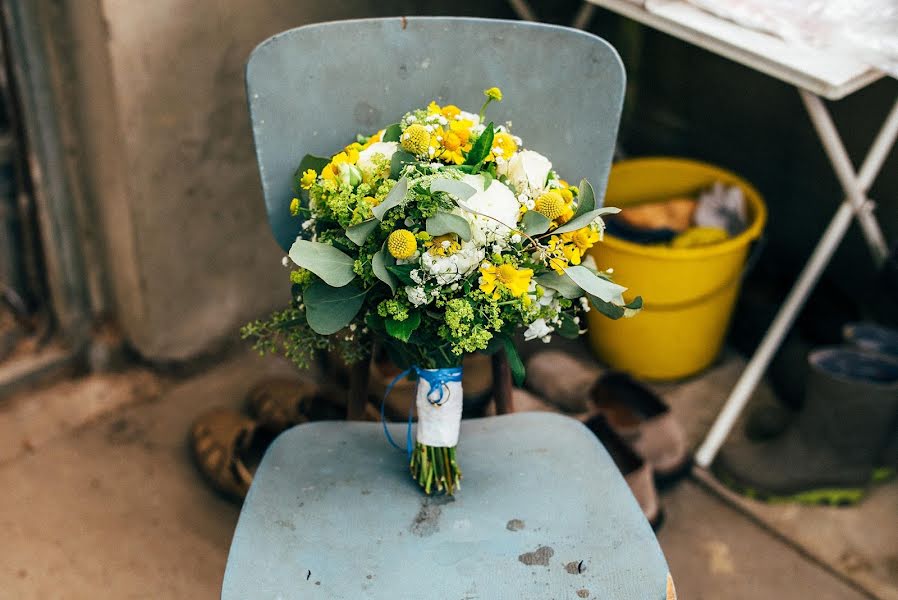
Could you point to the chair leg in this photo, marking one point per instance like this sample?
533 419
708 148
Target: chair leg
502 386
358 390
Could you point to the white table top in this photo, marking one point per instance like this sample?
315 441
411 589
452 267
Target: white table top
824 73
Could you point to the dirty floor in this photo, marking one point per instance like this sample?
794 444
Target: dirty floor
110 506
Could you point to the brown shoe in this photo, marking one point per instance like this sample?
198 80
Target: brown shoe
224 445
641 417
561 379
636 472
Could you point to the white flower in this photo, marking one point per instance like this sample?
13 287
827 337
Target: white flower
537 329
416 295
527 170
285 261
516 238
499 205
367 156
452 268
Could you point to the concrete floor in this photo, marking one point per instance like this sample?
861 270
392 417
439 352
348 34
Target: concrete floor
113 508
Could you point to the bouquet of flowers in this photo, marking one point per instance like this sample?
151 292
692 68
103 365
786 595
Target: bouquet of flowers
436 237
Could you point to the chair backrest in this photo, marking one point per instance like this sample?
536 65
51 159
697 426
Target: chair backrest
313 88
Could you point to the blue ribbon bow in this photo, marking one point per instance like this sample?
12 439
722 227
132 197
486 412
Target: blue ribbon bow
437 380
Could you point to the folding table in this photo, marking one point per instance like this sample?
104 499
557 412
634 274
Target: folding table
817 74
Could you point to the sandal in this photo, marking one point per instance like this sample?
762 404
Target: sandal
221 439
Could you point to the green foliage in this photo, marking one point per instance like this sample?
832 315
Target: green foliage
330 309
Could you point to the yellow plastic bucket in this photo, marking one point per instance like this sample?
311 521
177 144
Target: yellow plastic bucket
688 293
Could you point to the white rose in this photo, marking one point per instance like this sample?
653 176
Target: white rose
366 157
499 205
528 171
416 295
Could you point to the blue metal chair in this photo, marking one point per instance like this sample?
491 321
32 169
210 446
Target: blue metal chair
333 512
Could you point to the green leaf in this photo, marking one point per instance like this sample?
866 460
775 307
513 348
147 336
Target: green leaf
402 330
325 261
442 223
460 190
394 198
562 284
591 283
392 133
330 309
568 329
402 273
586 201
379 265
480 149
612 311
585 219
360 232
535 223
398 162
514 361
487 179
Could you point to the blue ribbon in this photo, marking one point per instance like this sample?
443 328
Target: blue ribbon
437 379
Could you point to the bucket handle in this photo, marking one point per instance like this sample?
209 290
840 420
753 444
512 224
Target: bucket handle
757 247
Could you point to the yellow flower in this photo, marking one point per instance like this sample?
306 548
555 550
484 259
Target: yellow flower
450 111
583 238
558 264
571 253
350 155
402 244
294 207
550 204
437 247
372 201
328 172
516 281
374 138
308 178
415 139
433 108
493 93
504 145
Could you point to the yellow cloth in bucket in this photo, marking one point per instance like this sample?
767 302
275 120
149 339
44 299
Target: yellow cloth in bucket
695 237
688 293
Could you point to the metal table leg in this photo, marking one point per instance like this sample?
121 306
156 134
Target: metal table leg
855 204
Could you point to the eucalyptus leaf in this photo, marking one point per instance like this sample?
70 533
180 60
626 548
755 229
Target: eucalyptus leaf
379 263
392 133
586 200
398 162
394 198
325 261
442 223
459 189
585 219
612 311
562 284
568 329
593 284
330 309
360 232
535 223
402 330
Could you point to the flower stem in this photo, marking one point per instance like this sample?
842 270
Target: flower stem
435 469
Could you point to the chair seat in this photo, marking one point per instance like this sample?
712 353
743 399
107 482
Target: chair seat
543 513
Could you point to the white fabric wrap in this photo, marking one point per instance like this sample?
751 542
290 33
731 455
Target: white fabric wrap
438 424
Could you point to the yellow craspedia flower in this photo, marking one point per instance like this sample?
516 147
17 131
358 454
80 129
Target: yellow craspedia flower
493 93
308 179
294 207
504 145
415 139
402 244
551 204
516 281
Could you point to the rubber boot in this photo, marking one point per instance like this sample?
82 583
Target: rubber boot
828 455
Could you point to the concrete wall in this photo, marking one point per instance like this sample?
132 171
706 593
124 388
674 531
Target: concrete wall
165 152
161 143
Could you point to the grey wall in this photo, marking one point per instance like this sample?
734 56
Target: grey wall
163 146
